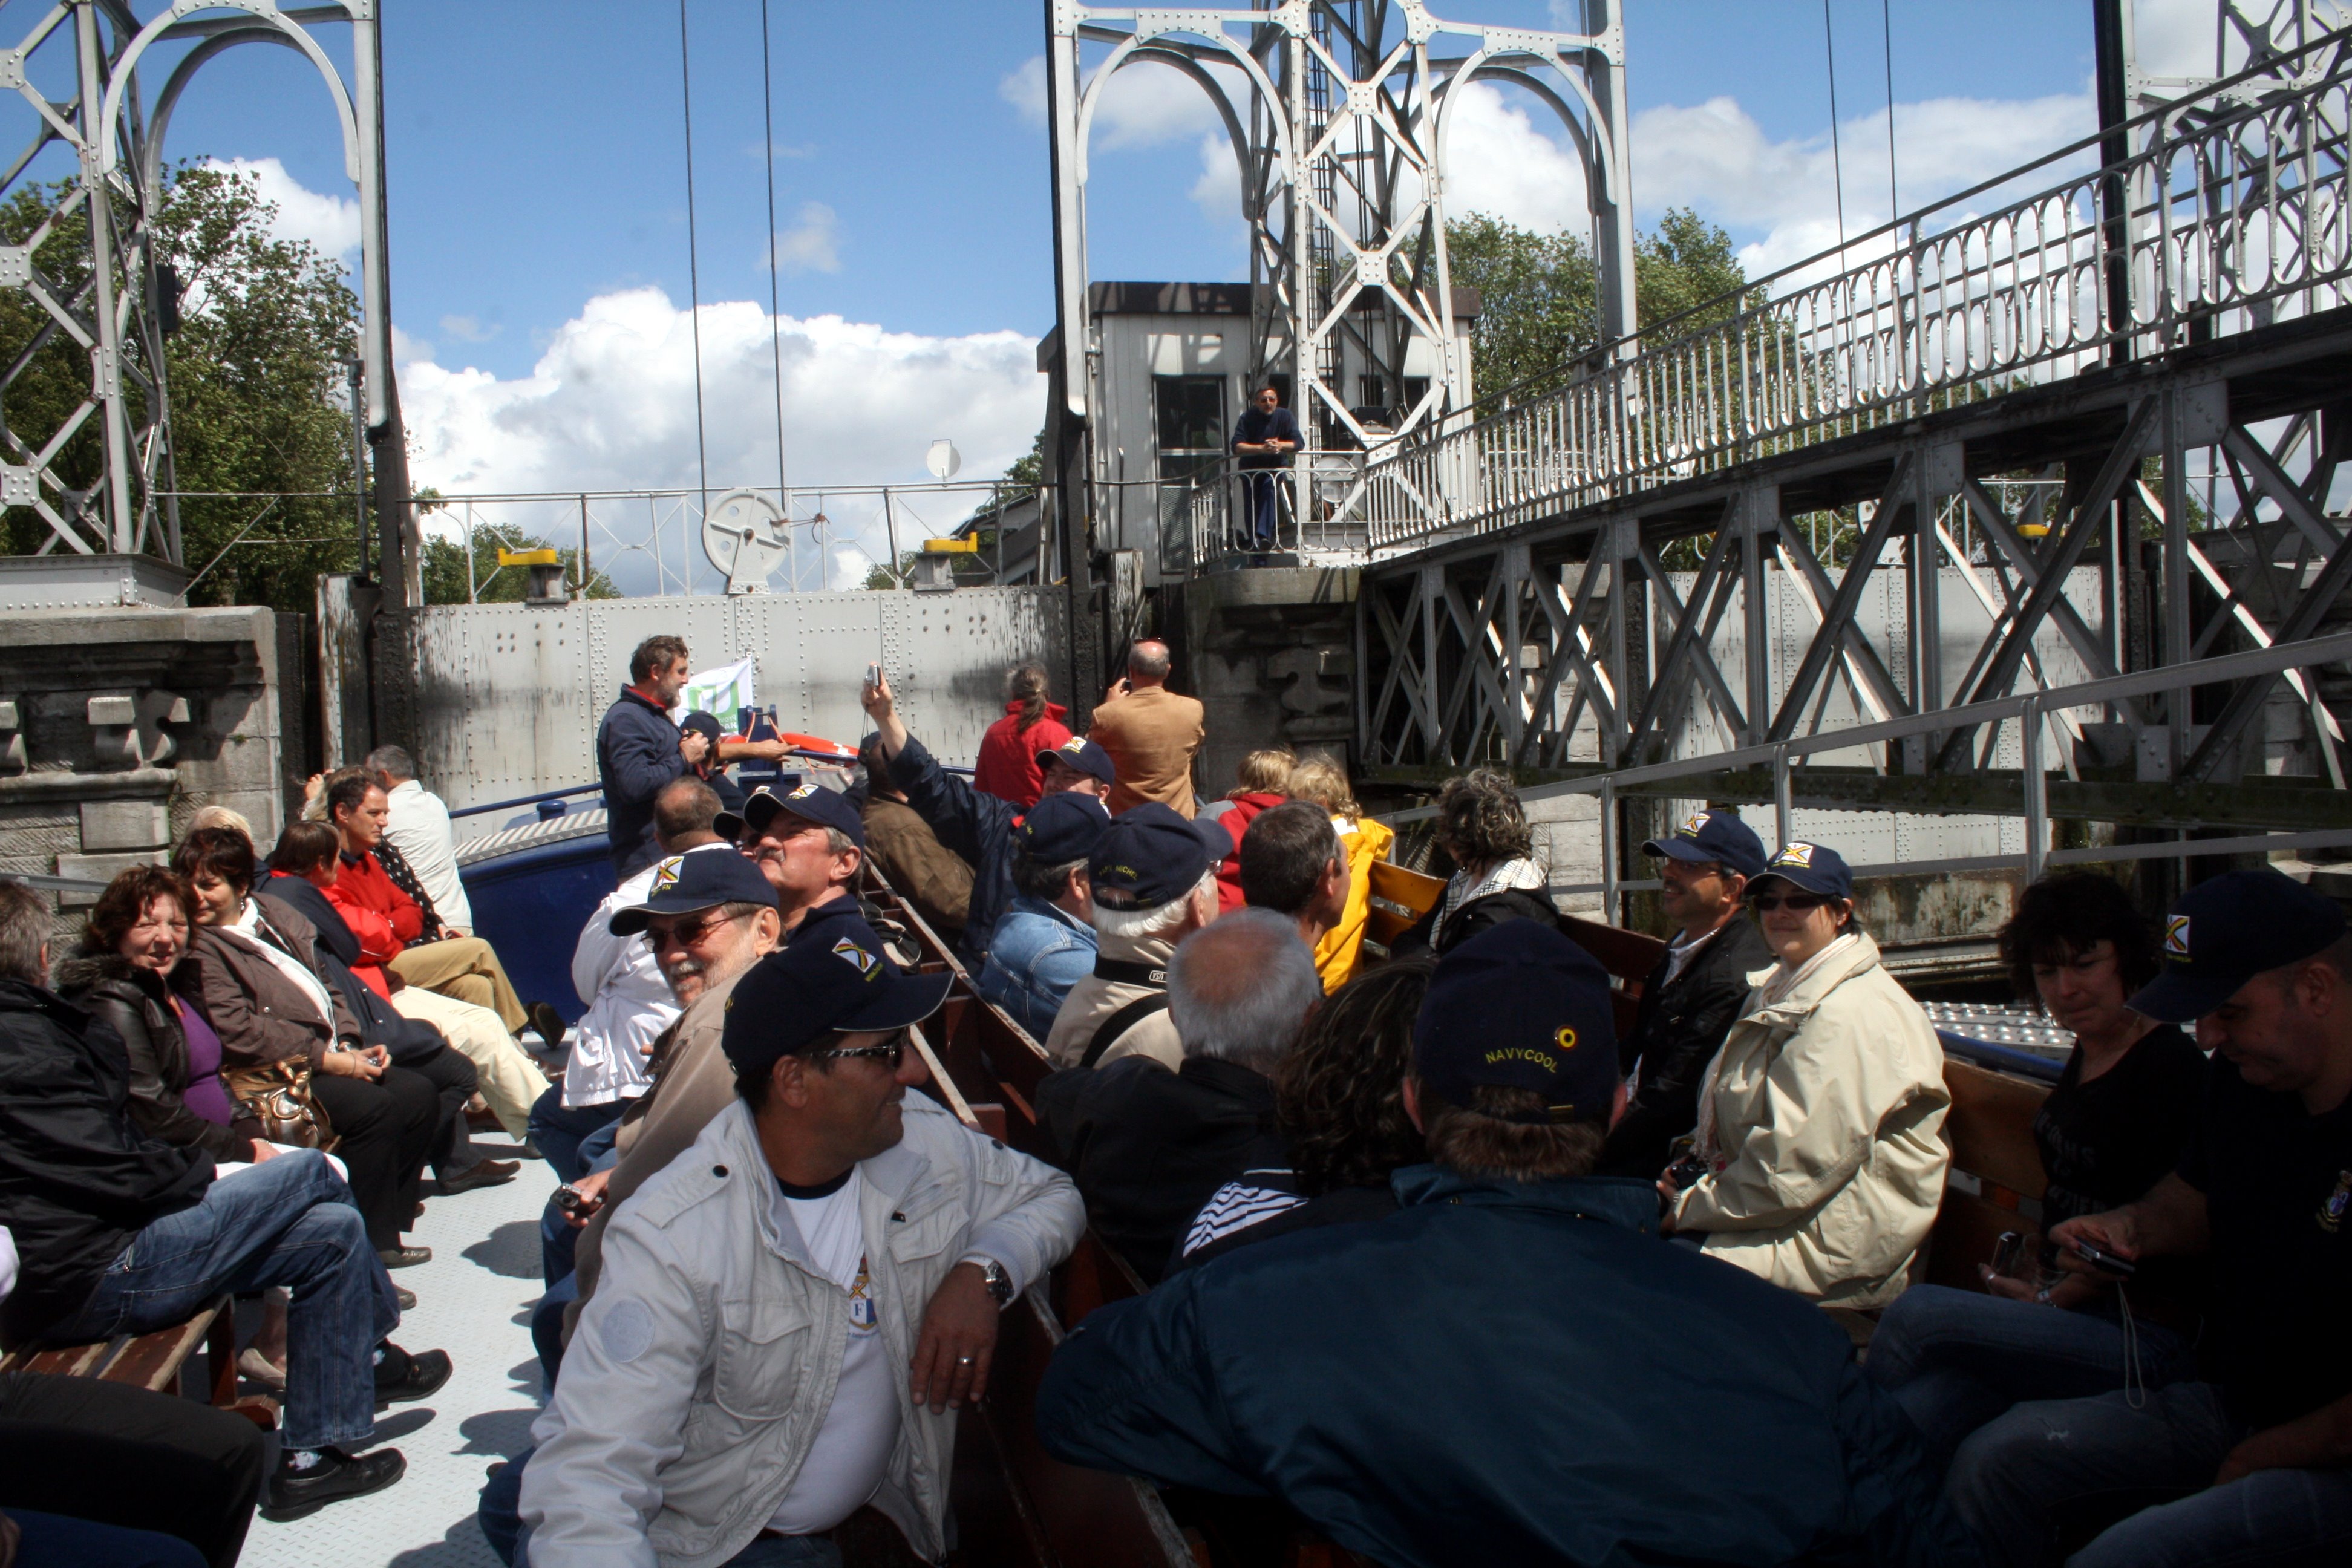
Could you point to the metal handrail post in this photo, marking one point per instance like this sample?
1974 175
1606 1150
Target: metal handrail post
2037 790
1784 795
1608 853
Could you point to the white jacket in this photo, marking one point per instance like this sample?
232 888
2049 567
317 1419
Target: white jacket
703 1366
629 1002
1824 1109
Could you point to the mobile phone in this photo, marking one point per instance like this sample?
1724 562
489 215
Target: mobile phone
2005 1248
575 1204
874 676
2103 1261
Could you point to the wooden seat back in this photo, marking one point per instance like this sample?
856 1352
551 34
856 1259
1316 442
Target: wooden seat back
154 1362
1997 1180
1628 955
1399 899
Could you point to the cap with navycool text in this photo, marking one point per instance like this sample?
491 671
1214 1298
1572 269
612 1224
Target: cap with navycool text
798 995
685 883
1150 854
2226 930
1520 1006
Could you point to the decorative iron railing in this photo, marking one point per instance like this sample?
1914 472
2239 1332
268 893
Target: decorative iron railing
2232 215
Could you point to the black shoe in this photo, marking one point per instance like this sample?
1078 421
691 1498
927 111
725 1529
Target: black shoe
481 1173
402 1378
404 1296
293 1494
548 1022
404 1257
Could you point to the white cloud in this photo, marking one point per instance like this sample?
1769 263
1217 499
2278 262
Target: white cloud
611 405
1143 105
468 329
814 245
329 223
1218 191
1500 163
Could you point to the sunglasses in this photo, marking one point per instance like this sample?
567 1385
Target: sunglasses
686 933
1801 903
893 1053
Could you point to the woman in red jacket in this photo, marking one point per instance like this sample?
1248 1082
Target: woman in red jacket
1007 766
1260 782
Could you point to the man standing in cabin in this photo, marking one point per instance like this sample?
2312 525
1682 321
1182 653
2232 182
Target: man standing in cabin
1504 1371
1263 438
789 1312
638 750
2255 1466
1151 733
1694 994
973 823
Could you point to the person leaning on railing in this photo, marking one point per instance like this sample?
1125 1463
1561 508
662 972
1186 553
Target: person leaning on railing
2122 1112
1265 436
1821 1167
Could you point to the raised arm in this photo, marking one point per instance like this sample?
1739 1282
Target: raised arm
962 817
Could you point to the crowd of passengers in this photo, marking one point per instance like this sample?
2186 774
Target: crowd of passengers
1435 1259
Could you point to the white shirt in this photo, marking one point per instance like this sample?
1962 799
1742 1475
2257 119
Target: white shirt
419 828
629 1002
247 926
853 1446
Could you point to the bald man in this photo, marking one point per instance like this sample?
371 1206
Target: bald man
1151 733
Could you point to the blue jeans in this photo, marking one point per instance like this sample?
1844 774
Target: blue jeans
2025 1473
558 1131
288 1221
1955 1359
559 1238
53 1540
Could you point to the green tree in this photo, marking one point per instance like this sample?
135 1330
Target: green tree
444 566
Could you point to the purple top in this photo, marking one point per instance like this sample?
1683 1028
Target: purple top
206 1096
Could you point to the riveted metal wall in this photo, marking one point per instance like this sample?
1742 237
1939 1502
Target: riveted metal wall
508 697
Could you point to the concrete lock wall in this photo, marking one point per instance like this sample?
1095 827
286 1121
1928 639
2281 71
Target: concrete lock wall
504 700
116 726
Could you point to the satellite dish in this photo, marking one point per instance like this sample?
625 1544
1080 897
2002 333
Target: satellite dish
944 460
743 535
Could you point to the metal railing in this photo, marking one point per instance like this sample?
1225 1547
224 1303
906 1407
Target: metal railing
2235 217
2028 711
1318 498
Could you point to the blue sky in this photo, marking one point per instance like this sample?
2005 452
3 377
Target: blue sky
538 236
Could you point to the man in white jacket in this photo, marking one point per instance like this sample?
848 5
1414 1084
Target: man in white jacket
788 1311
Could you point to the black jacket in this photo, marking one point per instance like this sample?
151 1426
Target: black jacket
1477 915
131 1001
1676 1032
411 1041
1148 1147
973 824
636 753
77 1180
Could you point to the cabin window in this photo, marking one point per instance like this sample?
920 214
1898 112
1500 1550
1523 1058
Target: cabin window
1190 411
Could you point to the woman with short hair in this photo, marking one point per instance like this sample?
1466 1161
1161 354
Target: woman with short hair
1818 1164
2116 1122
1480 826
252 976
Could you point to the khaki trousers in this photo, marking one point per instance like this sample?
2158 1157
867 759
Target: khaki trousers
509 1081
465 968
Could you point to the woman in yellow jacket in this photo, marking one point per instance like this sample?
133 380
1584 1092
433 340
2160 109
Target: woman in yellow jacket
1320 780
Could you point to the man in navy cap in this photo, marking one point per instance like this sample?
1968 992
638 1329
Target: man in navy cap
2256 1465
1153 879
711 766
808 842
791 1312
1504 1370
1695 991
975 823
1045 942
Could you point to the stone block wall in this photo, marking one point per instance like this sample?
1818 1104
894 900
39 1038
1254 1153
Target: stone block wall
1271 654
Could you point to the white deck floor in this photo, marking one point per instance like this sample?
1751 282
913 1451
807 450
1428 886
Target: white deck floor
473 1301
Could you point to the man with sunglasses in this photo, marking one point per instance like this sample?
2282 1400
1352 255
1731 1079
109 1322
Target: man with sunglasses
808 842
1695 991
791 1312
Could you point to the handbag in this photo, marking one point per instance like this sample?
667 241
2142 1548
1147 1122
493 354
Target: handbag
278 1095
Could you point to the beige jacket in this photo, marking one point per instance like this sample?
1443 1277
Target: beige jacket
1094 999
1151 734
1822 1120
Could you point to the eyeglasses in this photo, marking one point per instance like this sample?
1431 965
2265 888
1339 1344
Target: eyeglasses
894 1053
1801 903
686 933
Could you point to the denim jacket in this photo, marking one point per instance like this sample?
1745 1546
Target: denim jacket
1037 955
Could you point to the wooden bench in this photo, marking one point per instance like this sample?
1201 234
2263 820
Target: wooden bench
154 1362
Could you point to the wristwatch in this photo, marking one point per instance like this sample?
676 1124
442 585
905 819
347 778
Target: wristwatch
998 1283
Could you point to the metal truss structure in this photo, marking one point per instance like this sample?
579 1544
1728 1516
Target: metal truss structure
1339 112
111 295
1672 557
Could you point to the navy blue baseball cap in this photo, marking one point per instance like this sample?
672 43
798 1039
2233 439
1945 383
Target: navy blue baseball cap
1520 1006
1061 828
2225 932
1082 754
705 725
798 995
809 802
1809 868
695 880
1150 854
1713 836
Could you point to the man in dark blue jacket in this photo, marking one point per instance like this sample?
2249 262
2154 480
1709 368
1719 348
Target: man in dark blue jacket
1263 438
1513 1367
973 823
638 750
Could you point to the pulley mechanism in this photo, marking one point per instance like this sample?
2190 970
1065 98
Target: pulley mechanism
743 535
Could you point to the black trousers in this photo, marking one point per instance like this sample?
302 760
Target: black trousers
385 1128
120 1455
451 1151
